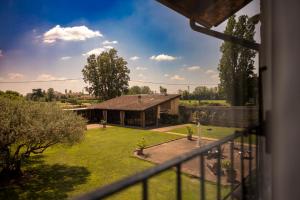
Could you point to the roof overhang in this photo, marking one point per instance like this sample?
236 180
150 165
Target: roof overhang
207 13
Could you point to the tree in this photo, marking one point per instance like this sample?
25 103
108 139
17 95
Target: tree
162 90
37 94
11 94
236 67
50 94
146 90
139 90
106 74
134 90
30 128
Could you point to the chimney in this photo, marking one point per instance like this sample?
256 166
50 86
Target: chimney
140 99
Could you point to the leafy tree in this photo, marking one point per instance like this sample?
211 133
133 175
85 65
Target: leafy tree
30 128
139 90
236 67
37 94
11 94
50 94
134 90
146 90
162 90
106 74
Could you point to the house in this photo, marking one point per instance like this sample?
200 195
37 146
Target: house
135 110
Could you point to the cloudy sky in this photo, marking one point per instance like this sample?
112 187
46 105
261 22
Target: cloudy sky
50 40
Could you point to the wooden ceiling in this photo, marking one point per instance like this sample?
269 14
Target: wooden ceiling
208 13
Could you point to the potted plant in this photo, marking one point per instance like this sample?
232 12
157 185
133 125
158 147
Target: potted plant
189 133
103 122
140 147
231 173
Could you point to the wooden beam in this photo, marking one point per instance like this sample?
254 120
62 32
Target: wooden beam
122 118
104 113
225 37
143 119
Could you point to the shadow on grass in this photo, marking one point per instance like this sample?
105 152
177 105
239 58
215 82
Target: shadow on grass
42 181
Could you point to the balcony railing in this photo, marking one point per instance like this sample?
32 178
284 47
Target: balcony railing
245 189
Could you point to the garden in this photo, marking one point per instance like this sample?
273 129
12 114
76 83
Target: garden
104 156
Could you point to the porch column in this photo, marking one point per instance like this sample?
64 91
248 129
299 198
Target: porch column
157 115
104 112
143 124
122 118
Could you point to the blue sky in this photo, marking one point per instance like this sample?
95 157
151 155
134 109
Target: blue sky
46 40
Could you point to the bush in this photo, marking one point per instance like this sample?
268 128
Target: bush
190 132
141 144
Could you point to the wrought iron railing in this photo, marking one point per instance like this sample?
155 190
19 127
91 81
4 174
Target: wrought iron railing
245 189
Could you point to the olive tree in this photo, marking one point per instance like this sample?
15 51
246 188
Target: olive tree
30 128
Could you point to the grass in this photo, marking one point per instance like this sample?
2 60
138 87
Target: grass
215 132
203 102
104 156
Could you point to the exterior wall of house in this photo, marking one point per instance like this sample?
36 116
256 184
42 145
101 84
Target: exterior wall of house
170 107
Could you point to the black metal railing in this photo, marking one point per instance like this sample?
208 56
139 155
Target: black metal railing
245 189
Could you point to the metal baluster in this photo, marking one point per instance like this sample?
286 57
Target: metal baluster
257 166
250 162
178 174
232 166
202 177
145 189
242 167
219 174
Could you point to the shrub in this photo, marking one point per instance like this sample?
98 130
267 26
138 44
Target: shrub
141 144
190 132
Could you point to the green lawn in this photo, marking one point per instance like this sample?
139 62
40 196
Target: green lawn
216 132
102 158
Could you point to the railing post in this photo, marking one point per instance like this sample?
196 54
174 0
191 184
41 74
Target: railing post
242 168
178 178
145 189
232 167
202 177
219 173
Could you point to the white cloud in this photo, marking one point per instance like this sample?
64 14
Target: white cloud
108 47
106 42
134 58
1 54
15 76
48 77
177 77
66 58
141 75
163 57
210 71
75 33
166 75
215 77
141 68
193 68
96 51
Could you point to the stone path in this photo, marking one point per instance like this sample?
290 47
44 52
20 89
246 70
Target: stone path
166 151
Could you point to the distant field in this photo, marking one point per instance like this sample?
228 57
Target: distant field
204 102
77 103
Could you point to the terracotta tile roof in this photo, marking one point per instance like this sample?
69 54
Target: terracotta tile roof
132 102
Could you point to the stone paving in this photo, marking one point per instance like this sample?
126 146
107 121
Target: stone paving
166 151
